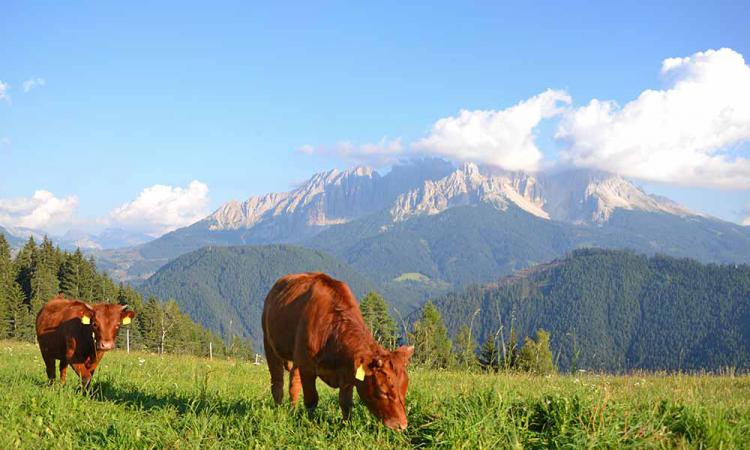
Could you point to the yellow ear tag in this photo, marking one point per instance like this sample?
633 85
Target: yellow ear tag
360 375
126 320
86 320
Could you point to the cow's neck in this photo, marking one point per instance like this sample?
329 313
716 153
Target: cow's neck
354 340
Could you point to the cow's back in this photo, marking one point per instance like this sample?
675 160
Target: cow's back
56 321
298 312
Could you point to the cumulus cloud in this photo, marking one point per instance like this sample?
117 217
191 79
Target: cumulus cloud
160 209
385 152
690 133
43 211
4 88
503 138
32 83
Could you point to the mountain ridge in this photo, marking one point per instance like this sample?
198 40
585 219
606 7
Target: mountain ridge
333 199
619 309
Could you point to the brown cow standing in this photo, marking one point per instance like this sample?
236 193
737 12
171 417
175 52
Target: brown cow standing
77 334
312 327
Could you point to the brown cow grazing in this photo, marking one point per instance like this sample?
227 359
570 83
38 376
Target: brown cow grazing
78 334
312 327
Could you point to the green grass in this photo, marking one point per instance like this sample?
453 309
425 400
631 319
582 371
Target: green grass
147 401
412 276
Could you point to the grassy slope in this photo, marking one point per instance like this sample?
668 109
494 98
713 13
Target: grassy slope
146 401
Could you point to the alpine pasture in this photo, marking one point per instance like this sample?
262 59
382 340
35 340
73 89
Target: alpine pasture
144 400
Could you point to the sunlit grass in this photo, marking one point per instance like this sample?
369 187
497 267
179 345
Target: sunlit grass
147 401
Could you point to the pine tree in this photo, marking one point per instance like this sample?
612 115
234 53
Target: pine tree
375 314
44 282
70 277
488 357
149 324
6 278
430 339
24 266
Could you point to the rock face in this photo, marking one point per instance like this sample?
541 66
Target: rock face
579 196
470 185
328 198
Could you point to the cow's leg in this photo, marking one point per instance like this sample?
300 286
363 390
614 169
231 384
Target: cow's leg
310 391
84 373
345 400
295 384
50 365
63 369
276 368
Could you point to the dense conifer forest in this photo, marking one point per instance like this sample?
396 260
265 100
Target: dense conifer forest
40 271
616 311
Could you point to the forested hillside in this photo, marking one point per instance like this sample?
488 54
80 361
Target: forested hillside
616 310
41 271
224 287
478 244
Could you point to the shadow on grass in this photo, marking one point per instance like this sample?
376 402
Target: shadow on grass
199 403
107 391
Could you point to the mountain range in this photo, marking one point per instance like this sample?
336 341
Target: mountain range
109 238
579 207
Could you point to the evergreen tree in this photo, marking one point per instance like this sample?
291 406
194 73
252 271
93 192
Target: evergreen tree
488 357
432 346
150 318
375 313
18 312
70 278
24 266
6 278
535 355
465 348
44 282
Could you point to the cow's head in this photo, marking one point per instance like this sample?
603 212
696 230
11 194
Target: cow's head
106 321
381 381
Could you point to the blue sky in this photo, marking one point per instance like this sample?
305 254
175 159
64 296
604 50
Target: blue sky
128 95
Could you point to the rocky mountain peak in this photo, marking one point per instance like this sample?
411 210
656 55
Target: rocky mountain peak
579 196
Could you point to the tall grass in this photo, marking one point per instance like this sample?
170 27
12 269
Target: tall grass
148 401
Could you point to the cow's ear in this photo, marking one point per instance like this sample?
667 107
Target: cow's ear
126 315
404 352
87 314
362 367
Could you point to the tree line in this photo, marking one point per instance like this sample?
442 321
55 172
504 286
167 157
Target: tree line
434 348
617 311
39 272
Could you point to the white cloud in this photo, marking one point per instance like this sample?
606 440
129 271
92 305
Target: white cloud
503 138
690 133
31 83
387 151
4 88
43 211
160 209
746 220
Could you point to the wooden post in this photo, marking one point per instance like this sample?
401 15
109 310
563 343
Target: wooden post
211 350
127 339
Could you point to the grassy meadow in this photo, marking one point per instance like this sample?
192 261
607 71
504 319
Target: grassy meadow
147 401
